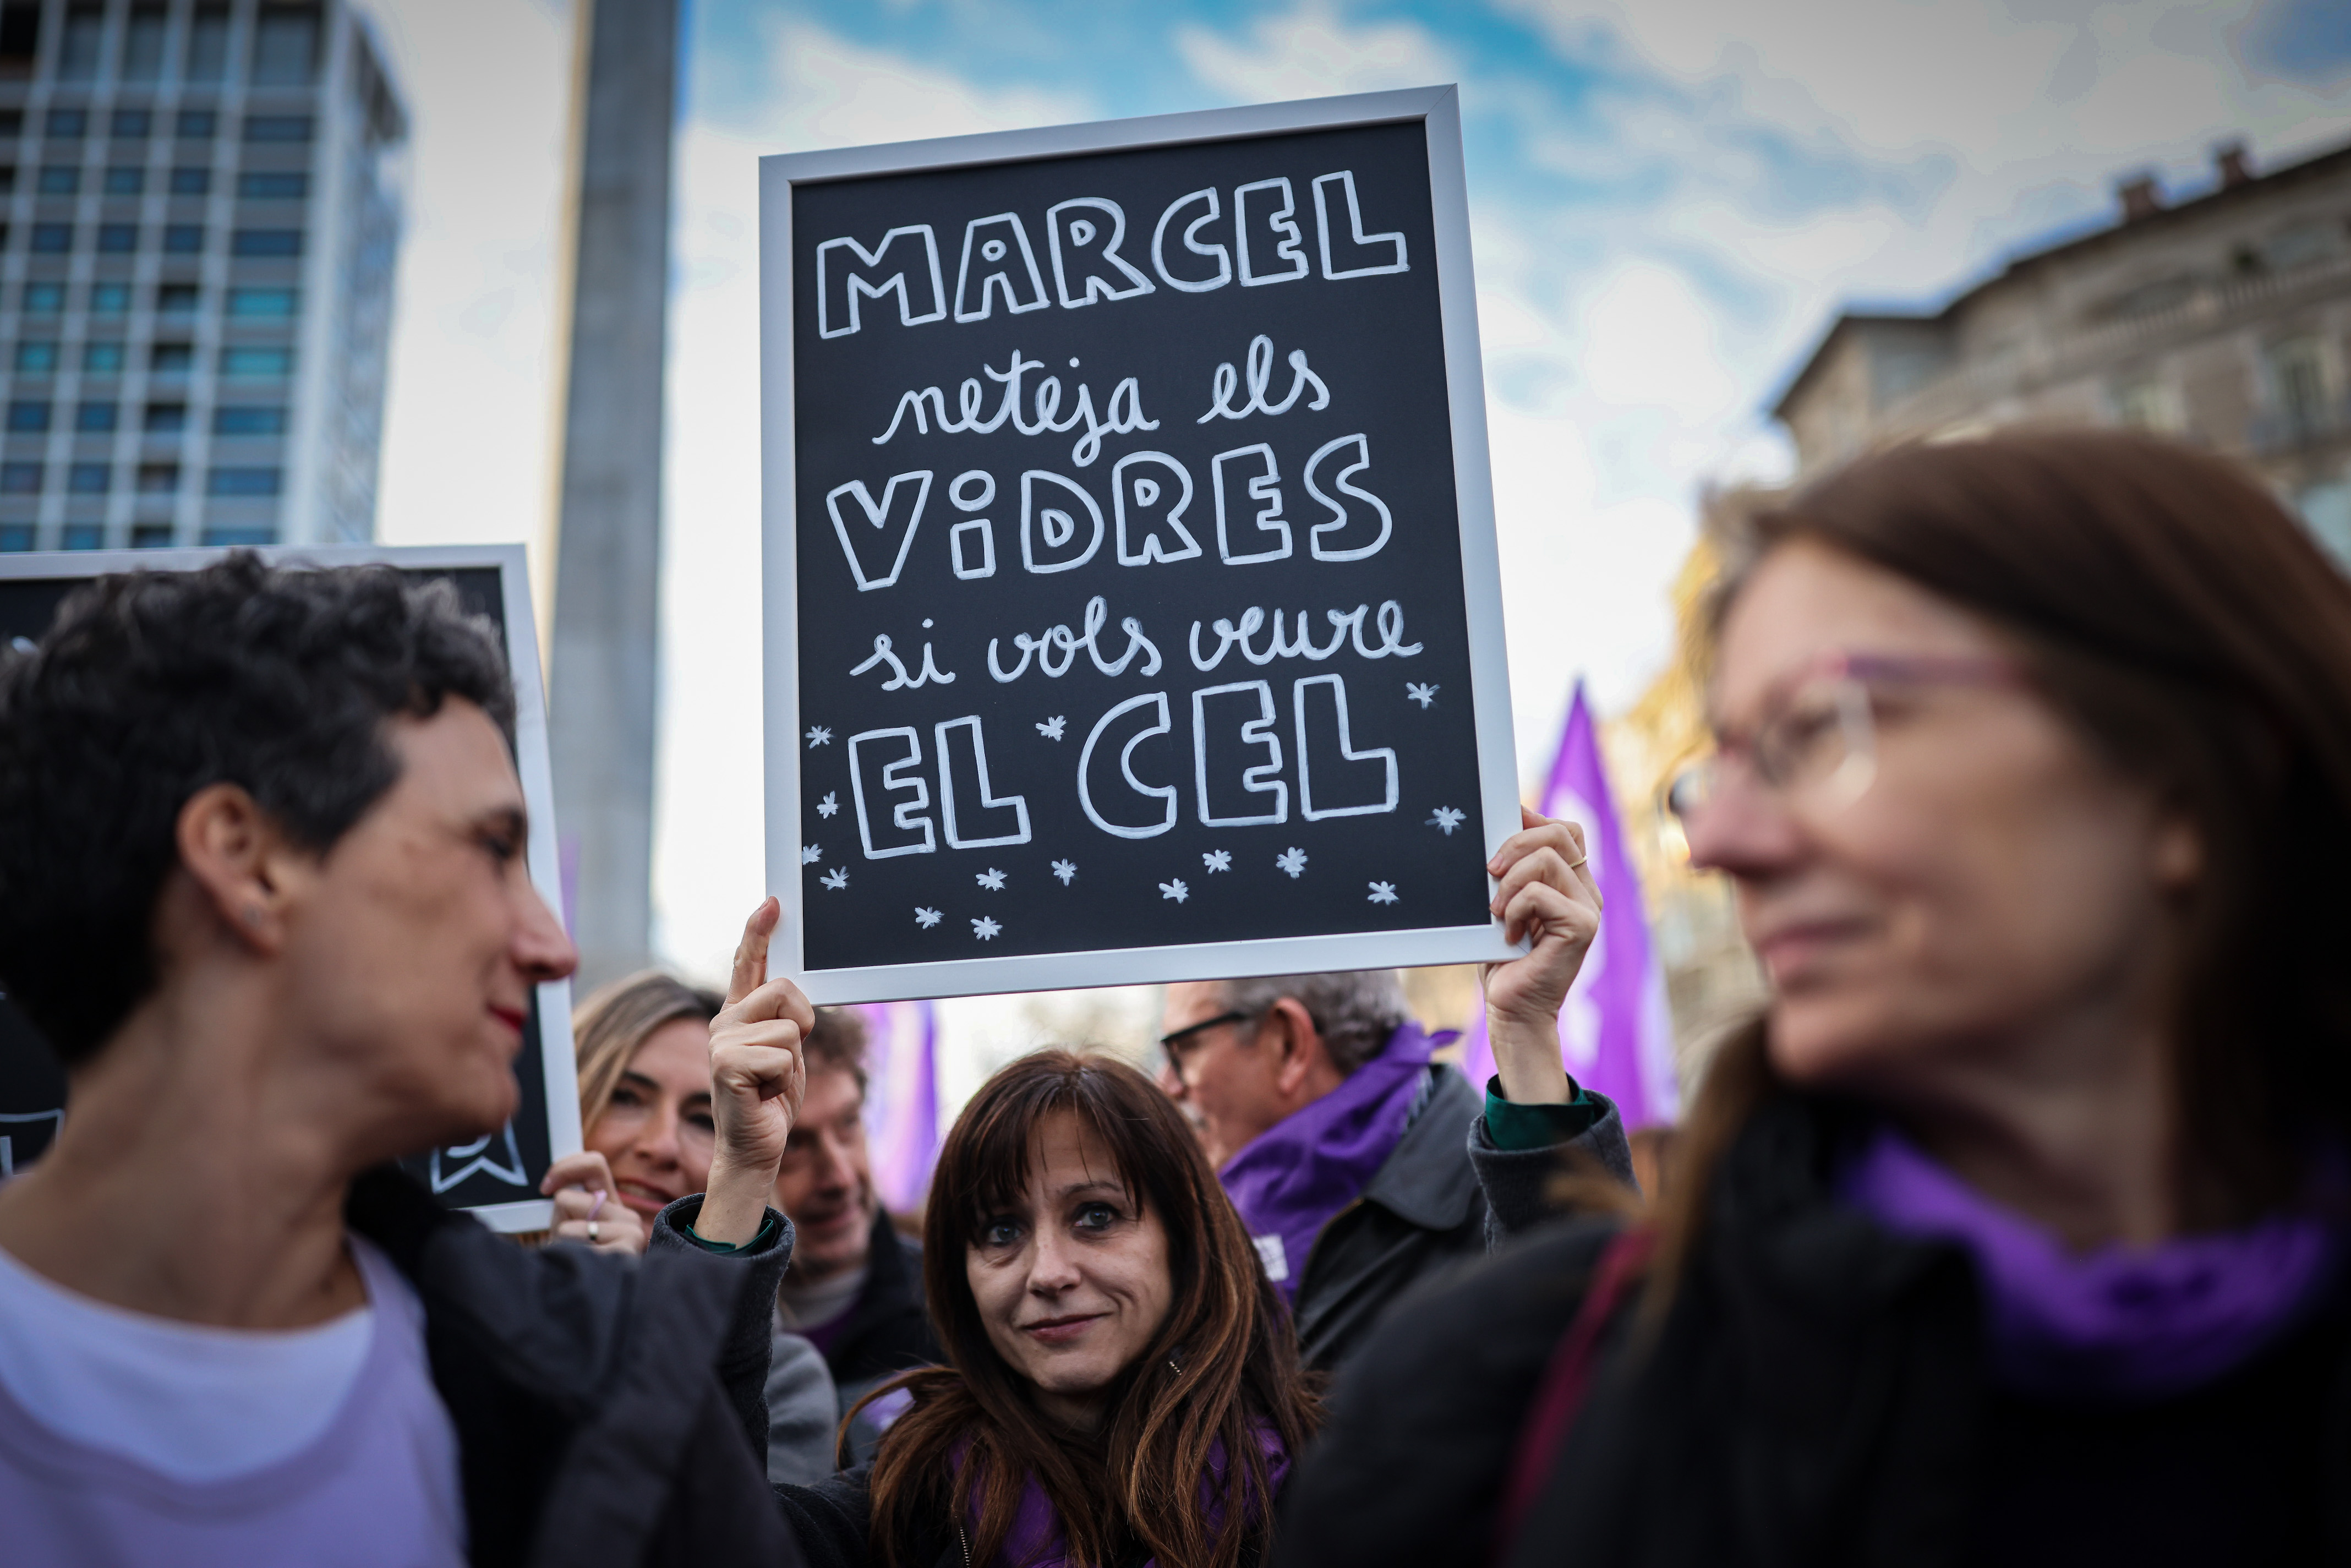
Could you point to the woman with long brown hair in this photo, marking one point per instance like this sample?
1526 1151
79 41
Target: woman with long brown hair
2014 1231
1122 1385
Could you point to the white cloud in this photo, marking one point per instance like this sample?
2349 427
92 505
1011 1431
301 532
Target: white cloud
468 454
1312 52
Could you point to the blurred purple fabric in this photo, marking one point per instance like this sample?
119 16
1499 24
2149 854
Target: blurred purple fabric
1616 1036
901 1098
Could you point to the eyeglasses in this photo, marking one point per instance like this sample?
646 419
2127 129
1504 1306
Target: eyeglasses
1181 1039
1818 742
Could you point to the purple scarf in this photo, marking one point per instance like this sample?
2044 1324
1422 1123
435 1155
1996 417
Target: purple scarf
1292 1178
2120 1323
1035 1540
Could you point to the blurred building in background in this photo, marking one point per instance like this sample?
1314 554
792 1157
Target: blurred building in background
203 205
2224 318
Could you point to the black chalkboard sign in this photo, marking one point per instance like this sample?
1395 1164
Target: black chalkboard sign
1133 606
496 1178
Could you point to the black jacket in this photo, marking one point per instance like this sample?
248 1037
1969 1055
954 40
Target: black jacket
1816 1395
1426 1209
887 1331
607 1411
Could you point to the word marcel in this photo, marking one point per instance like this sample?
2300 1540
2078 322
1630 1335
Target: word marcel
1262 246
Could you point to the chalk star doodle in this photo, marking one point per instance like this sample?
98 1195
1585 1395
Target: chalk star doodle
818 735
1424 696
1052 729
836 879
809 853
1447 819
925 918
984 929
829 804
1067 871
1292 861
990 879
1217 860
1382 893
1174 889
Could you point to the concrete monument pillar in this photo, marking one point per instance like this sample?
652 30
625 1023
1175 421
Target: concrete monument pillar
601 680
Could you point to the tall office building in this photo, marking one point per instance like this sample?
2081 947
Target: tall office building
202 207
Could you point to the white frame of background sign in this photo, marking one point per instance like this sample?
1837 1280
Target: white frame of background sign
559 1067
1438 110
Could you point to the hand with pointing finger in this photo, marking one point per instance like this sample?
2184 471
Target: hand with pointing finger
757 1078
1548 898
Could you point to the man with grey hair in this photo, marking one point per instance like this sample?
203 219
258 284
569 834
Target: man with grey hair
1345 1148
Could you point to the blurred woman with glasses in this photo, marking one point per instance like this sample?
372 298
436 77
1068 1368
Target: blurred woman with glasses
2013 1231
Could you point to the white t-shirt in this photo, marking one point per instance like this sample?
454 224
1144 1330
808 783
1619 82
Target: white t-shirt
132 1439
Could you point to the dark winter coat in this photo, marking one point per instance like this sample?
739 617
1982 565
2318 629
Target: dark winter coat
1425 1210
608 1411
1816 1395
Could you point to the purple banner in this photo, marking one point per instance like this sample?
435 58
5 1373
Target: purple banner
1616 1034
901 1098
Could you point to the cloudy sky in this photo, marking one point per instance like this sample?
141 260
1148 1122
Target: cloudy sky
1670 199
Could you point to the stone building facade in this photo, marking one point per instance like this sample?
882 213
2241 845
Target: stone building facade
2224 317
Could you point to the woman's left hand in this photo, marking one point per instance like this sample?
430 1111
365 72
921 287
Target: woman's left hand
1546 897
757 1078
585 1209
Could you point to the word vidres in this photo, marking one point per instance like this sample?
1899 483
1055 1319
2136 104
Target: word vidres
1127 548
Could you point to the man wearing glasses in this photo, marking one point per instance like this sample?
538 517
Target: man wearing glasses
1347 1150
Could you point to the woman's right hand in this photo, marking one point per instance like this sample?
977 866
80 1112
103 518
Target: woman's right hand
1547 898
757 1078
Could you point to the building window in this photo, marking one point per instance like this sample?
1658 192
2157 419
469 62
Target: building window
241 482
59 181
110 298
94 418
277 127
2298 385
28 418
242 536
269 242
158 478
102 359
184 239
12 121
208 45
88 479
195 124
245 360
166 418
172 359
44 298
2146 404
125 182
117 239
176 298
85 35
152 536
8 180
52 239
273 185
67 124
15 536
143 50
261 304
82 536
130 123
20 478
249 420
191 181
37 359
284 46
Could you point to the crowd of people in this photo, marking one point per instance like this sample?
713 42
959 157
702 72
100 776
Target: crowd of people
2012 1230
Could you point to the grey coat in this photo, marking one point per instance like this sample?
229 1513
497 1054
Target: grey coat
801 1414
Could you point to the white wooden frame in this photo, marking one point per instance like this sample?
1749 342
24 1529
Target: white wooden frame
558 1066
1439 108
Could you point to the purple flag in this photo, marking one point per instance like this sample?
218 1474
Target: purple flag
1616 1034
901 1098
